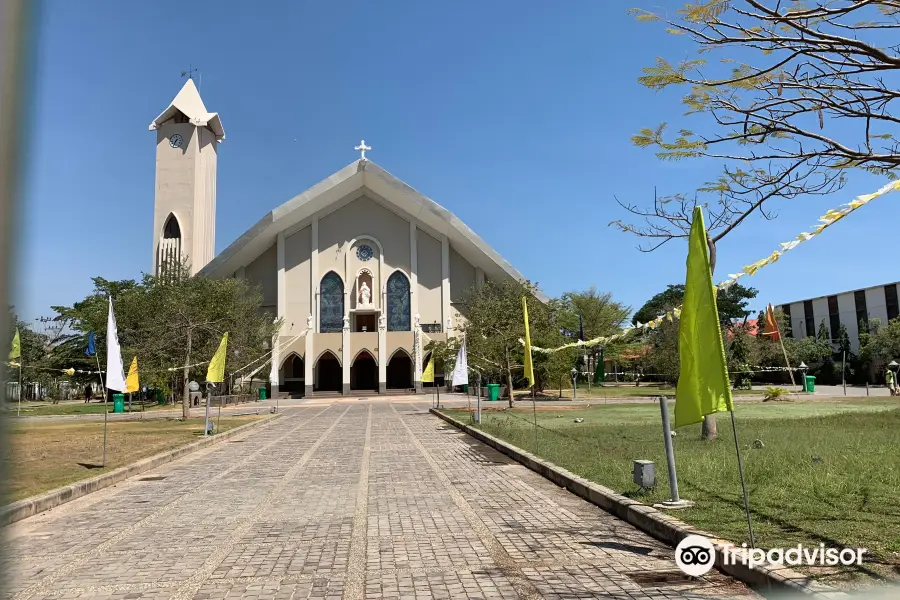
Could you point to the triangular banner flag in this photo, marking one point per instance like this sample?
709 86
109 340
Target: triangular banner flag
216 371
703 386
115 370
529 367
428 374
132 383
461 370
16 349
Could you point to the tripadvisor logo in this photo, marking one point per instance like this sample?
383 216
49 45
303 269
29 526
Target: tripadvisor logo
695 556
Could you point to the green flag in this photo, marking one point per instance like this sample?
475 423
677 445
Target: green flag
703 386
16 350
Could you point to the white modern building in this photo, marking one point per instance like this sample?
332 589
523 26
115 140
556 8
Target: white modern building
847 308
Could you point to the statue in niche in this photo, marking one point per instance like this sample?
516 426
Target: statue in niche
417 321
346 322
309 322
382 322
365 295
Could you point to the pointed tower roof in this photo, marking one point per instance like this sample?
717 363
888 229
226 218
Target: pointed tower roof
190 104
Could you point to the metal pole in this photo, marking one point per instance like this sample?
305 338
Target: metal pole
206 419
534 413
105 408
19 408
737 449
670 451
844 371
478 401
574 386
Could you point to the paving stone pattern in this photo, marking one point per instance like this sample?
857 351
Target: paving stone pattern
367 500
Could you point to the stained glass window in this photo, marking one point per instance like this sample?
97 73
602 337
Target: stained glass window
331 304
398 302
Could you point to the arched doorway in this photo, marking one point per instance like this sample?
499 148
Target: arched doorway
328 373
364 372
292 374
400 371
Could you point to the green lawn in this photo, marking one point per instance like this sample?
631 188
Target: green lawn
626 390
829 471
38 457
78 408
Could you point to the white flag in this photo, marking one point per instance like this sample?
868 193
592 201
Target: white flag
115 370
461 370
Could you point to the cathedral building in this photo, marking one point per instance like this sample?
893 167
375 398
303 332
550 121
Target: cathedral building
361 268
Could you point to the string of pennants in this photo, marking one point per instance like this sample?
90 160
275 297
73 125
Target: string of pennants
825 221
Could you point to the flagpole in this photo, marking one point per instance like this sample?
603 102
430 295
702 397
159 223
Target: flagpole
534 417
19 408
737 449
105 407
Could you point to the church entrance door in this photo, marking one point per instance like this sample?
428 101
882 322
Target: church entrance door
400 371
364 373
328 374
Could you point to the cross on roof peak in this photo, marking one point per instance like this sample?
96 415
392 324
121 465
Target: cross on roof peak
362 149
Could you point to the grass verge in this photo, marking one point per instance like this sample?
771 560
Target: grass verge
40 457
80 408
827 472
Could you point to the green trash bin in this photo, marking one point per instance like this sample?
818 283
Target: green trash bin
810 384
493 391
160 397
465 388
262 393
119 403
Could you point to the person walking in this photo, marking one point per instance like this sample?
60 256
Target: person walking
88 393
889 379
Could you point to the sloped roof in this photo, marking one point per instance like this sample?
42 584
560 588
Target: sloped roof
384 187
189 103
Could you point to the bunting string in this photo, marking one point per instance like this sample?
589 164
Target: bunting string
831 217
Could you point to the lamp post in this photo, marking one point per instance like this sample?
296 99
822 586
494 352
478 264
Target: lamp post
893 366
574 383
803 369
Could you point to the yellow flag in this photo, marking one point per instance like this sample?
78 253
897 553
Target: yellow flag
529 367
428 374
703 386
131 382
16 350
216 371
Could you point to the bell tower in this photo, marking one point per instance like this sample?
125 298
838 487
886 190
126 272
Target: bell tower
184 214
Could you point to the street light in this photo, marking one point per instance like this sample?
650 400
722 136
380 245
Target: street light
574 383
803 369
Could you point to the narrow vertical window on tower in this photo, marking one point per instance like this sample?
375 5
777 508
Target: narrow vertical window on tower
169 257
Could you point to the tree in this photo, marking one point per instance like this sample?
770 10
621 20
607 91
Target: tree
663 359
173 322
660 304
884 344
494 325
771 120
731 302
766 121
601 315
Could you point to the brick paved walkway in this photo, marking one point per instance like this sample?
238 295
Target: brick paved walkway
368 500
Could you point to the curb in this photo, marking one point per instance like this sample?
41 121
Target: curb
763 578
28 507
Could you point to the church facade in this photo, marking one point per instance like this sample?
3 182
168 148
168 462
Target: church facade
361 269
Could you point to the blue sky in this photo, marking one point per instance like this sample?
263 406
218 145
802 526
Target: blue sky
514 116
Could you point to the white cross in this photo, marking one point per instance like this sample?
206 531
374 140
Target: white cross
362 149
